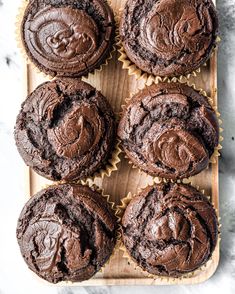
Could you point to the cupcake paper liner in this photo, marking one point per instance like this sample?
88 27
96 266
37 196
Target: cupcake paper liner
120 211
20 45
214 157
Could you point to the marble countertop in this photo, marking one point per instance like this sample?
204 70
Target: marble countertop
12 278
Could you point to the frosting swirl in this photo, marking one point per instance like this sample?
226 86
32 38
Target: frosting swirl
60 247
63 34
169 37
170 230
169 130
78 132
175 149
67 39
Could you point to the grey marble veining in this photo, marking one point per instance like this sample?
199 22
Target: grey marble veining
226 79
14 278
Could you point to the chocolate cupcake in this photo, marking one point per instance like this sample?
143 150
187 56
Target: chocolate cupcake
68 38
169 130
66 233
170 229
169 37
65 130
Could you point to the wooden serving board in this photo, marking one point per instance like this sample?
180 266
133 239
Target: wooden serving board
116 85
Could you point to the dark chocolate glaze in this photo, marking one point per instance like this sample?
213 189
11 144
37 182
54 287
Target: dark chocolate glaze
66 233
67 38
169 130
65 130
170 229
169 37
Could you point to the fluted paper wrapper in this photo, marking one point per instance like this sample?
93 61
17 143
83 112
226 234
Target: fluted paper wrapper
216 154
20 45
120 211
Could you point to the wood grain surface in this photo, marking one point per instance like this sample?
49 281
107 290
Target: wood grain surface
116 85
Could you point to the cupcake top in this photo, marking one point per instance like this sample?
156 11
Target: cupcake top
169 37
65 130
67 38
170 229
66 233
169 130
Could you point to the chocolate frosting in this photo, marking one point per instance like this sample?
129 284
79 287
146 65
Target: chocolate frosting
170 229
169 37
65 130
169 130
66 233
79 131
67 40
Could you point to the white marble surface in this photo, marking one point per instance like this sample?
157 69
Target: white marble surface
14 277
